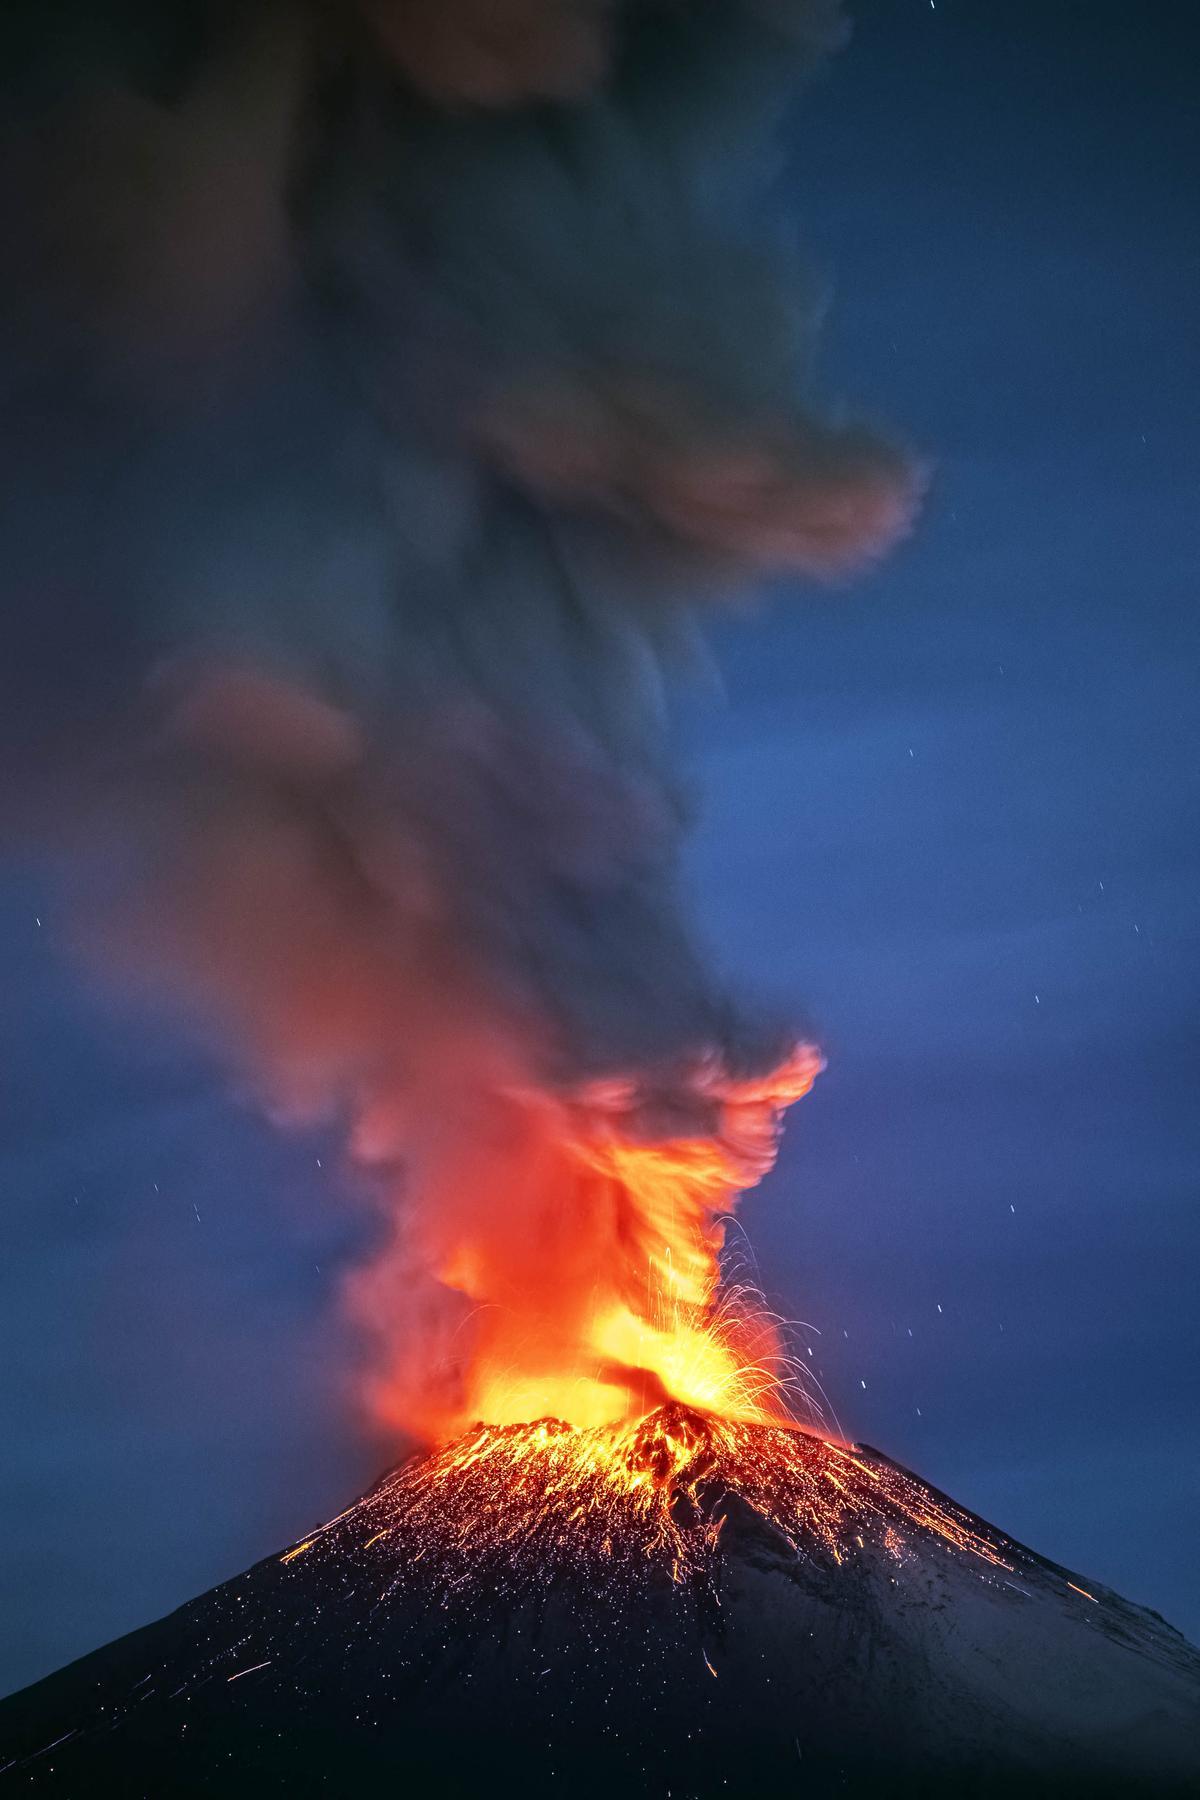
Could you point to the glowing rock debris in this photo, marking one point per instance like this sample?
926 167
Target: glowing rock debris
530 1500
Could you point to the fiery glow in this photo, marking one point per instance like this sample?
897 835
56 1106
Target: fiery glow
532 1499
587 1234
624 1397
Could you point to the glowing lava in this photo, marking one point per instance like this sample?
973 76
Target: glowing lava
585 1230
526 1503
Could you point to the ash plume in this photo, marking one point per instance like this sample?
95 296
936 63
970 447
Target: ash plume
392 389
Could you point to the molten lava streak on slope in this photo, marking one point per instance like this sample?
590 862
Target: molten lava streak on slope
619 1503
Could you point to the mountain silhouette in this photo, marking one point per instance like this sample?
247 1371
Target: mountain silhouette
683 1608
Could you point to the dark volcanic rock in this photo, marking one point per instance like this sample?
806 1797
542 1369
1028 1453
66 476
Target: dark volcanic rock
420 1658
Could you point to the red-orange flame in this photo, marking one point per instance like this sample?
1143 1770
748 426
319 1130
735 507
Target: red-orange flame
588 1243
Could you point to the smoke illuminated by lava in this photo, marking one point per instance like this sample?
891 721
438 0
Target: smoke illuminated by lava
592 1256
454 361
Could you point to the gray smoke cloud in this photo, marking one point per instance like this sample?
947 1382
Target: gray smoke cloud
392 388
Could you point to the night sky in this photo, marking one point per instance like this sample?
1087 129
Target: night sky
949 812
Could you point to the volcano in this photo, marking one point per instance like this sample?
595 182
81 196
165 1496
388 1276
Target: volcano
682 1606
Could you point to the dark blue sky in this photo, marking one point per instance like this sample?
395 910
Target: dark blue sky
951 812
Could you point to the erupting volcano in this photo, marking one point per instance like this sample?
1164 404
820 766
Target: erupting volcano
426 369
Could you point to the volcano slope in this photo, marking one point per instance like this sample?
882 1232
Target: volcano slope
686 1606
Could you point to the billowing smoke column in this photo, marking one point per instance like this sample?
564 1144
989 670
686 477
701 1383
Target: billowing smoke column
394 384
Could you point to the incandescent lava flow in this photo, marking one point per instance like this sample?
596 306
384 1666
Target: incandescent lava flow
684 1605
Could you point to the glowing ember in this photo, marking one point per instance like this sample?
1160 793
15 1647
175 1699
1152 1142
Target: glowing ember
528 1502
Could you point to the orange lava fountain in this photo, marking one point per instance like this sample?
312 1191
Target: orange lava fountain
587 1235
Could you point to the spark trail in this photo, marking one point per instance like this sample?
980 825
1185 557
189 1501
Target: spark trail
522 1503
